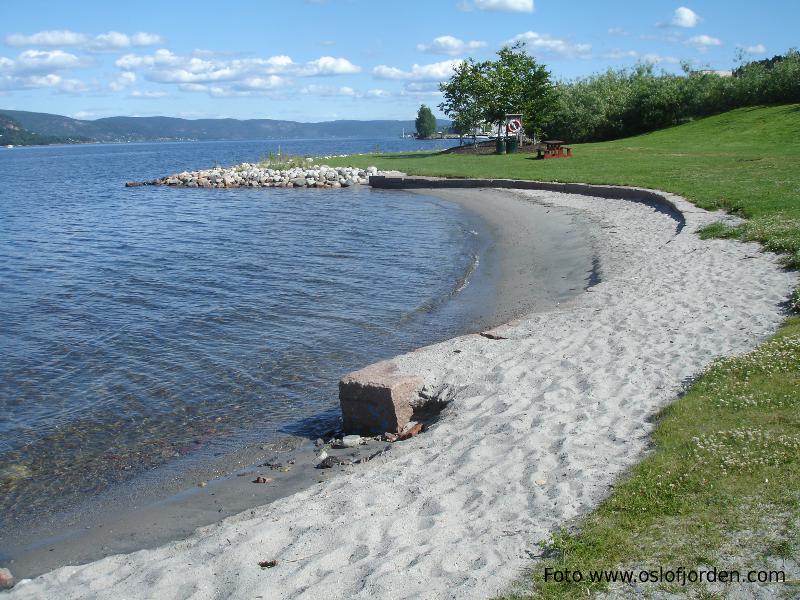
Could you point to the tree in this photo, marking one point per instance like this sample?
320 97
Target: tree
517 84
464 96
425 123
489 90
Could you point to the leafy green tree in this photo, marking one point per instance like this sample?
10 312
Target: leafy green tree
425 123
489 90
516 83
464 96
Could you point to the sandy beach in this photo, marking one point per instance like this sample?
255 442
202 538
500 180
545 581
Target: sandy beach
539 426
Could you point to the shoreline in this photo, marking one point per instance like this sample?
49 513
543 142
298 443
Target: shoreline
541 424
531 258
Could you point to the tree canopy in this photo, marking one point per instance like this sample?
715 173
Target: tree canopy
514 83
426 122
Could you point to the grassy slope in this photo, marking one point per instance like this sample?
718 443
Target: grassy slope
746 161
722 485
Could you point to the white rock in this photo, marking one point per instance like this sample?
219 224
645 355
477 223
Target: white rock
351 441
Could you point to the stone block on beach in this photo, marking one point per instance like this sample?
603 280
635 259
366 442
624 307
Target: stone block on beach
377 399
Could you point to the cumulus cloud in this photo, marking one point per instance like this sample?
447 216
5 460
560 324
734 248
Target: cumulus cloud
685 17
151 94
447 44
421 87
546 44
111 41
164 66
328 65
326 90
34 69
703 41
51 81
269 82
378 93
34 61
432 72
525 6
757 49
61 37
644 57
216 91
123 80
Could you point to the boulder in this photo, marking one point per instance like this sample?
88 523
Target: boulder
299 181
377 399
6 579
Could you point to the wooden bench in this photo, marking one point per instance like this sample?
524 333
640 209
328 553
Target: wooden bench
553 149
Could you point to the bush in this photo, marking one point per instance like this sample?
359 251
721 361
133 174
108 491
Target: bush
625 102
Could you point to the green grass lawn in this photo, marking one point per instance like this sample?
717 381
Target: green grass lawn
722 484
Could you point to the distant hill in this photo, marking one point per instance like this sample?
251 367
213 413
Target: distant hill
140 129
12 133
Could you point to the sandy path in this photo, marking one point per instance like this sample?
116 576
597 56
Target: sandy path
565 401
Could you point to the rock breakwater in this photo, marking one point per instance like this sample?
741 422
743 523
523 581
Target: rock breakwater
253 175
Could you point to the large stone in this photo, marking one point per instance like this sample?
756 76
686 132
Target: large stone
6 579
377 399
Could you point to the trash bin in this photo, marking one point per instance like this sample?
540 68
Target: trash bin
501 145
512 144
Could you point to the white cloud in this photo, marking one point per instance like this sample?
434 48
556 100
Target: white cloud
34 69
617 31
52 81
270 82
60 37
447 44
378 93
644 57
241 75
325 90
525 6
703 41
659 59
547 44
757 49
32 61
49 80
111 41
146 39
215 91
424 86
329 65
685 17
432 72
147 94
73 86
123 80
618 54
84 114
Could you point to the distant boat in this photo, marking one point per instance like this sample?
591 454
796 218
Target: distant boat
9 146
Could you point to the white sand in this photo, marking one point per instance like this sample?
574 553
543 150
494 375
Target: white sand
566 401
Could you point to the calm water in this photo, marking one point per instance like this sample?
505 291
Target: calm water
141 325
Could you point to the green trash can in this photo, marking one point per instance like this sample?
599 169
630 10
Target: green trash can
501 145
512 145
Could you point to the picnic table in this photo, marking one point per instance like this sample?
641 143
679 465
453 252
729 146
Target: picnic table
553 149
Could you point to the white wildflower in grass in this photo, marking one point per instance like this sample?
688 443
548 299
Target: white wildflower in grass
746 449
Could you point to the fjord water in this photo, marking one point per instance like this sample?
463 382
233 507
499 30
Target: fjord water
142 326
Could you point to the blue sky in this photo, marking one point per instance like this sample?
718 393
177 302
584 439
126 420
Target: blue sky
313 60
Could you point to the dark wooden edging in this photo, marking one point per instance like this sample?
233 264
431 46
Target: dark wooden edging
651 197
